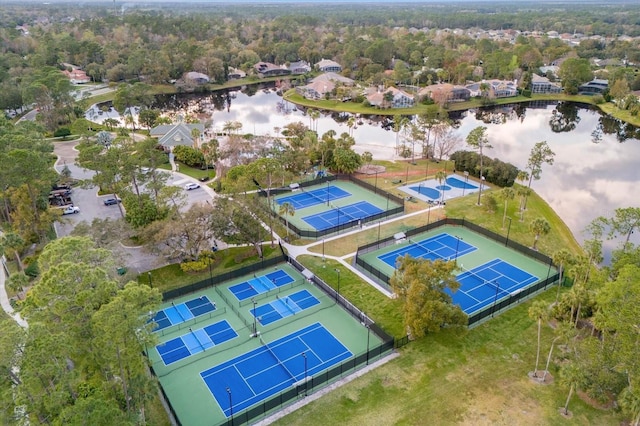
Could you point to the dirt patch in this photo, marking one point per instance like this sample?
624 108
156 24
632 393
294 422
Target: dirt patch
371 169
594 402
548 378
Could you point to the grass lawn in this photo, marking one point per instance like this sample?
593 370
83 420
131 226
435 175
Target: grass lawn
193 172
171 276
479 378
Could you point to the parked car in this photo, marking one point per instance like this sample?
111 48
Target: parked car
71 209
191 186
111 201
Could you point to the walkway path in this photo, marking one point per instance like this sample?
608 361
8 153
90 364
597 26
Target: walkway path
6 304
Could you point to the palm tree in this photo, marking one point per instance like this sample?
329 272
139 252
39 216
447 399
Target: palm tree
564 332
570 376
523 176
538 227
441 176
314 114
351 123
477 138
629 400
538 311
286 210
561 258
506 194
399 122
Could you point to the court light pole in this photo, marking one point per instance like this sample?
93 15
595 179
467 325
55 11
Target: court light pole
466 179
304 355
327 193
323 252
255 318
368 336
495 300
150 283
230 404
338 292
506 243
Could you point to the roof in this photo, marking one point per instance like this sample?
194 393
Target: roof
332 77
175 134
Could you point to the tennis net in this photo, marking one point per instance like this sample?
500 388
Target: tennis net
288 303
277 359
326 200
433 254
343 213
479 279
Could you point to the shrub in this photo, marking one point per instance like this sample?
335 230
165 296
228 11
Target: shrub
62 132
32 270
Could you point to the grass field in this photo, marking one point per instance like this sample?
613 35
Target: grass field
479 378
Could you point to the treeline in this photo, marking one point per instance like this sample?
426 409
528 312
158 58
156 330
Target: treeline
493 170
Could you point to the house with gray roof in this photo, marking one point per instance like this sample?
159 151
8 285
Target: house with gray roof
327 65
541 84
170 135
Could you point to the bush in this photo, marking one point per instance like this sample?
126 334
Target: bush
62 132
526 93
32 270
189 156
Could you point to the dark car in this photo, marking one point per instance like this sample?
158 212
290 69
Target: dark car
111 201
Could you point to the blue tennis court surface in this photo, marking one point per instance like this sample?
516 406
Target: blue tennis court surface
312 198
284 307
434 194
195 341
257 375
175 314
457 183
443 246
336 216
260 284
488 283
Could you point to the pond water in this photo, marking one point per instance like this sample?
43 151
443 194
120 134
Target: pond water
595 169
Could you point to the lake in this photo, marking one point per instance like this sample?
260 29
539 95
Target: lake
595 169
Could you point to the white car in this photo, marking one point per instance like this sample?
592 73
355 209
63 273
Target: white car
71 210
191 186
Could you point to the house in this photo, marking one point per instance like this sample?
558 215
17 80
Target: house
327 65
445 92
170 135
196 78
266 69
594 87
400 99
493 88
236 74
541 84
323 84
299 67
75 74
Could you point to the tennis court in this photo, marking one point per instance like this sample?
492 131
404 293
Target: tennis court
486 284
314 197
457 183
284 307
341 215
443 246
195 341
260 284
432 189
258 374
176 314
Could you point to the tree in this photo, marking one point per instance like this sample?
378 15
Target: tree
540 154
570 376
234 222
441 176
574 72
539 227
345 160
183 235
67 358
624 222
538 311
420 285
561 258
286 209
478 139
18 282
506 194
619 90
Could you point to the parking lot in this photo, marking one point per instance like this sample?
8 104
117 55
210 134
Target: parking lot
92 205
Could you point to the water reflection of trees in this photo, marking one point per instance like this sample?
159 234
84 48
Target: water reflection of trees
564 118
613 126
